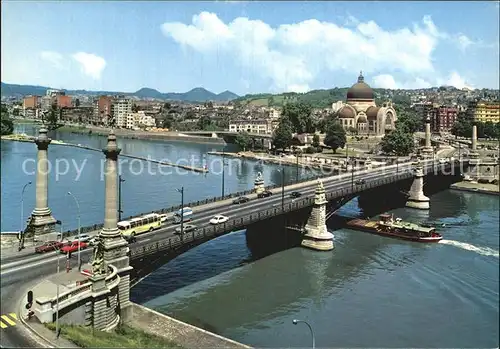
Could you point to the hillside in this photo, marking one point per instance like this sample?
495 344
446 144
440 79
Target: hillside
197 94
317 98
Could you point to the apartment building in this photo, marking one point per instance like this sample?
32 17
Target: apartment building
120 109
442 118
30 106
274 113
62 101
487 111
102 110
260 126
82 115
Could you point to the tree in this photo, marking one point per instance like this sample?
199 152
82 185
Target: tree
335 135
204 122
243 140
52 118
409 121
491 130
299 114
77 102
7 126
398 142
282 138
135 108
315 141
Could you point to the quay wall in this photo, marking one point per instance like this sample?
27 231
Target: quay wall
186 335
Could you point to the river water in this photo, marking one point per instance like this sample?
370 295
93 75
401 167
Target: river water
370 291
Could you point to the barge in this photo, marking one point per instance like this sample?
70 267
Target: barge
396 228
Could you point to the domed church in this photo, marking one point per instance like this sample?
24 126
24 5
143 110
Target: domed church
360 111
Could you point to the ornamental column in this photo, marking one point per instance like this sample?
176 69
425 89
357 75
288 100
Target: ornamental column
427 150
317 236
259 184
416 198
114 245
474 160
41 218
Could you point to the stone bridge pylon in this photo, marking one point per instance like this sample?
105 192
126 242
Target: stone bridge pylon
316 235
416 198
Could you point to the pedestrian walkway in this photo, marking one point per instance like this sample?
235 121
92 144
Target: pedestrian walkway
8 320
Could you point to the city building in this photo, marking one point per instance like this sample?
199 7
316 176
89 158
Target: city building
442 118
82 115
31 105
274 113
62 101
261 126
361 112
102 110
487 111
120 109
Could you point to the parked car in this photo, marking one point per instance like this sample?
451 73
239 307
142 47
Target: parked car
73 247
360 182
265 194
241 200
49 246
295 194
92 242
188 228
219 219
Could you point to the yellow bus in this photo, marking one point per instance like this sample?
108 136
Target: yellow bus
135 226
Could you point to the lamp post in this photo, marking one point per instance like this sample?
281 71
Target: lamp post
120 180
352 176
282 170
21 237
57 292
182 211
79 227
297 166
223 170
295 322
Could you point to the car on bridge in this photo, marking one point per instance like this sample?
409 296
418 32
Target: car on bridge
73 247
240 200
219 219
295 194
188 228
264 194
360 182
49 246
82 238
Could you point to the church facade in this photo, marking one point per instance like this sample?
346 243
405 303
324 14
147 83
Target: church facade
361 112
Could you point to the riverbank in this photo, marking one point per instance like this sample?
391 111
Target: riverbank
484 188
25 138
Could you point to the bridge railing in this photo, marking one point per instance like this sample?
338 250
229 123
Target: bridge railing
175 208
209 232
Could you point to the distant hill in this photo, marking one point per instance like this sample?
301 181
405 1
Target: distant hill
197 94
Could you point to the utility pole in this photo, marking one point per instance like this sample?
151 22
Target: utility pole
282 189
352 176
120 180
21 231
297 166
182 212
223 169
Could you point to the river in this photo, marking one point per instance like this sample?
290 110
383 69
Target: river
370 291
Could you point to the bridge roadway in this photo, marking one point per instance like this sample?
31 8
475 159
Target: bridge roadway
18 274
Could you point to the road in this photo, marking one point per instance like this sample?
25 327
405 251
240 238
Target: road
17 272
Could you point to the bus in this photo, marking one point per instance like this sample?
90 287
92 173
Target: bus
131 228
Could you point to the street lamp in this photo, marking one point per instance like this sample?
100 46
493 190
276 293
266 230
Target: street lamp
223 168
79 227
182 211
21 238
57 290
295 322
282 170
120 180
352 176
297 166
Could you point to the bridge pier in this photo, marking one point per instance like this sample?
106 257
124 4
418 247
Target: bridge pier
316 235
115 247
474 161
42 221
416 198
259 184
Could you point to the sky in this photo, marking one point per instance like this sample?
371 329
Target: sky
247 46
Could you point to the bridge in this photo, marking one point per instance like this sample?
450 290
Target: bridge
113 258
225 134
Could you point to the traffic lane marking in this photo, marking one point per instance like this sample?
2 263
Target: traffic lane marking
7 320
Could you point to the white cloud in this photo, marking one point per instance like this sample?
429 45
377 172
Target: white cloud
54 58
388 81
385 81
291 56
463 42
91 64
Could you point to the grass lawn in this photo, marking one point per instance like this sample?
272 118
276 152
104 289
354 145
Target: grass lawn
122 337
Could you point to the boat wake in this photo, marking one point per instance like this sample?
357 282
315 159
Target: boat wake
485 251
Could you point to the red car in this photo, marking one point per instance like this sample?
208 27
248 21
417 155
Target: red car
49 246
73 247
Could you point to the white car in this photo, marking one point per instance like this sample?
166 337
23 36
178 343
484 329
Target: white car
219 219
83 238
